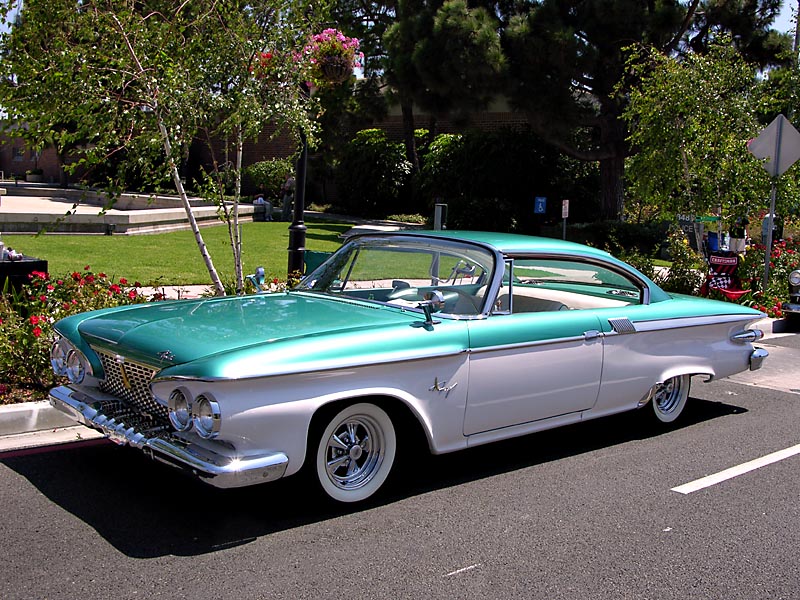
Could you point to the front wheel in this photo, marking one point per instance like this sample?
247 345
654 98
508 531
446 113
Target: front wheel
669 398
355 452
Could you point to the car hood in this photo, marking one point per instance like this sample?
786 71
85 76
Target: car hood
173 333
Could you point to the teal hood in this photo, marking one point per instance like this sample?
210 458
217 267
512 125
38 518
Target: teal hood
259 334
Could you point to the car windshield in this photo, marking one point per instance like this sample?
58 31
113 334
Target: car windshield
406 270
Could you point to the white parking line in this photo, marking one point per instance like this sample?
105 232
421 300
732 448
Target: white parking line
458 571
704 482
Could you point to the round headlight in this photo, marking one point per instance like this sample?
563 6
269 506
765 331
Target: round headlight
794 278
75 368
206 417
179 414
58 356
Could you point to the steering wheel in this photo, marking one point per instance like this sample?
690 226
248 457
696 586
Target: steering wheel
471 300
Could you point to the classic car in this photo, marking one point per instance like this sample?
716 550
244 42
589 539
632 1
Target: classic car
459 338
792 308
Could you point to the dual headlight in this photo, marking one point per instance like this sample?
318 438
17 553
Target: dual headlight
201 412
794 279
68 361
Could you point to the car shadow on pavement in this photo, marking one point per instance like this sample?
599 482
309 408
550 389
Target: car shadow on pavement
146 509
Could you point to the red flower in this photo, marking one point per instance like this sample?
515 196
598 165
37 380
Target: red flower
101 275
137 284
65 306
34 319
90 279
43 298
37 331
60 282
76 276
115 289
86 268
132 294
123 281
50 287
275 281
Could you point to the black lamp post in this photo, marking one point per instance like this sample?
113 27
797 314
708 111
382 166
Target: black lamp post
297 230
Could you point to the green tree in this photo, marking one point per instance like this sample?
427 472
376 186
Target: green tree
690 122
134 76
444 57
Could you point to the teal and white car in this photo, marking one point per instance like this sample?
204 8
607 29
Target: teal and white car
454 338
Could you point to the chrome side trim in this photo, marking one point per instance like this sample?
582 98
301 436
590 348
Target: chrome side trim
757 358
215 469
678 322
323 369
576 338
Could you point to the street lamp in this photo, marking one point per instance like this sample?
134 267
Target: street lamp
297 230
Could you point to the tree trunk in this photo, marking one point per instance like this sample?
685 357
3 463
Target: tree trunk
612 168
235 234
407 108
612 173
176 178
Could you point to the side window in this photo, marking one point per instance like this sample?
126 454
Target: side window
544 285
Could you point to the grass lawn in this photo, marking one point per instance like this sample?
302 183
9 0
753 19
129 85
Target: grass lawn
173 258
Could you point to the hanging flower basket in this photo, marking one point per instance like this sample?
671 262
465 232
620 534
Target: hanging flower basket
336 69
332 57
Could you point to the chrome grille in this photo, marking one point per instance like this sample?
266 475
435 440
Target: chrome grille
130 382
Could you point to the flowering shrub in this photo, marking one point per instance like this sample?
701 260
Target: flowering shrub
332 57
27 317
683 275
784 258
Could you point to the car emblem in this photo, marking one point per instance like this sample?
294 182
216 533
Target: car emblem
126 383
443 387
166 355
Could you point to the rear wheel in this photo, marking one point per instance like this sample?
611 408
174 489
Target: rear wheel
355 452
669 398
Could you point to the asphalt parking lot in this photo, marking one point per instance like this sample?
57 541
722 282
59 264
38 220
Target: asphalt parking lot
586 511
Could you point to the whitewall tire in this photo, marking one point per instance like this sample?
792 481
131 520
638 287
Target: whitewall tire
669 398
355 452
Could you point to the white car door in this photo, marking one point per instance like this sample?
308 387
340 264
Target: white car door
531 366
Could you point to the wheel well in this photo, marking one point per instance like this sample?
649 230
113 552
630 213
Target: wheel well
403 418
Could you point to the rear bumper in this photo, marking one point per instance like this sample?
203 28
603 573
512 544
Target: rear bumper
757 358
214 468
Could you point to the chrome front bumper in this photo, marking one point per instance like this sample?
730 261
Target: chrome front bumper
791 307
215 469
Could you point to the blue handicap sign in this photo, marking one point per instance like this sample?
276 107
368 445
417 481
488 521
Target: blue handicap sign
539 205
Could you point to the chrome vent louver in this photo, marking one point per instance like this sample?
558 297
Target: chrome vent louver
130 382
622 325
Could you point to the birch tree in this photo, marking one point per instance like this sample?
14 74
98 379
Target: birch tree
134 76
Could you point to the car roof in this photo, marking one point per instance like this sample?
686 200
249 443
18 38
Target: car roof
511 243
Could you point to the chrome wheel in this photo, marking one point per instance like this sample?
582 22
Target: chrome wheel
355 453
669 398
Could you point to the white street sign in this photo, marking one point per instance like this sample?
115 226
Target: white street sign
779 144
